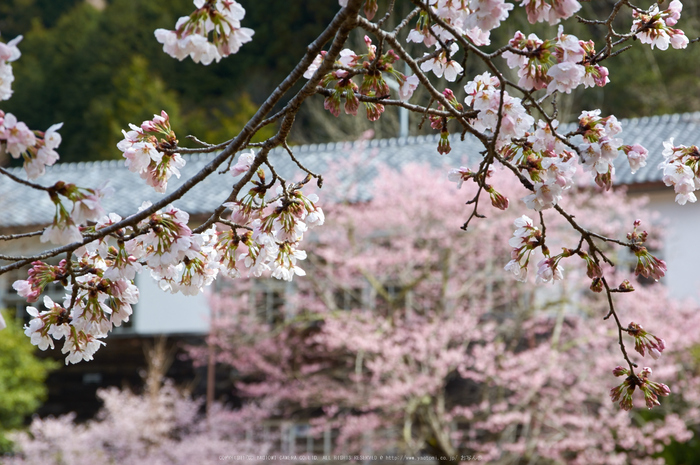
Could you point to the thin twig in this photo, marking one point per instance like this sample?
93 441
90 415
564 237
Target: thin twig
340 21
24 181
11 237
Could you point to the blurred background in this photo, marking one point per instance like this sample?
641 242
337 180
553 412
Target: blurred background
405 339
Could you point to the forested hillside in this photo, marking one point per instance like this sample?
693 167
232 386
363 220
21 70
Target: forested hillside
96 66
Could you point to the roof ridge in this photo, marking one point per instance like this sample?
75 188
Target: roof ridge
690 117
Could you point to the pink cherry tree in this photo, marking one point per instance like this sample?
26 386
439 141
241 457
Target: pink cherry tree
259 226
405 338
161 425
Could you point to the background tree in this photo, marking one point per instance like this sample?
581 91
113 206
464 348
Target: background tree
264 230
22 377
161 425
407 337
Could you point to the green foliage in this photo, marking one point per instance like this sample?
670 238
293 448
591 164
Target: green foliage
219 123
141 95
98 70
22 377
16 16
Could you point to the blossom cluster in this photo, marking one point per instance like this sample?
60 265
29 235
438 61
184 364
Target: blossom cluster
219 18
274 230
148 150
87 206
681 170
599 148
647 265
99 282
38 149
509 120
371 67
542 157
561 64
474 19
35 147
99 276
526 238
40 275
644 341
93 304
541 10
654 27
9 52
650 389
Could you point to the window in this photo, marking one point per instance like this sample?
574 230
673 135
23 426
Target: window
297 439
268 301
348 298
391 297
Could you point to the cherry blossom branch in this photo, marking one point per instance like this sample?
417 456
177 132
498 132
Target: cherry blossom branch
24 181
389 11
586 236
312 50
346 21
233 225
434 93
620 328
384 100
11 237
319 178
404 22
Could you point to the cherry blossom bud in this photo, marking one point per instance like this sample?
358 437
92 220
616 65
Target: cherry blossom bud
374 110
620 371
593 270
650 389
370 9
498 200
371 49
644 340
623 393
332 103
625 286
597 285
352 103
444 143
648 265
452 100
374 84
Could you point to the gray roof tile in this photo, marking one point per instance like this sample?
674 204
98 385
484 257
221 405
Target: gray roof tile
20 206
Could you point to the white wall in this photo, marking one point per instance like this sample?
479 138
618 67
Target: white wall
160 312
157 312
681 251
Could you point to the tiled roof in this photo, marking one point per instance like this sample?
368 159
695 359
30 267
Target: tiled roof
21 206
652 132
